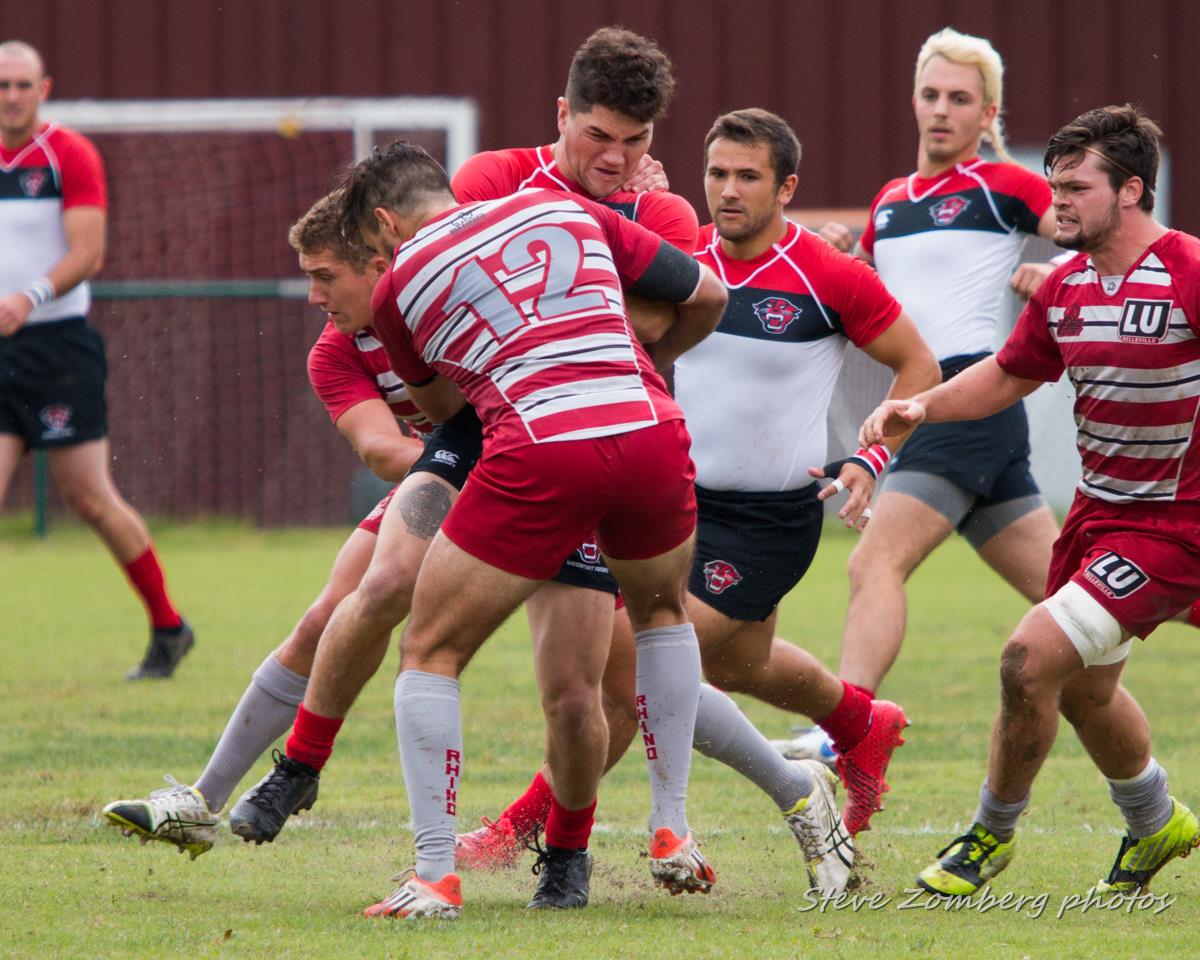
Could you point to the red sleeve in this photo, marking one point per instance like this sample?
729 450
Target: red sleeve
856 293
486 176
82 172
868 235
394 334
671 217
633 246
338 380
1030 352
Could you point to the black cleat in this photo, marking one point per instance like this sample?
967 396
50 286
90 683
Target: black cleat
167 647
564 878
262 810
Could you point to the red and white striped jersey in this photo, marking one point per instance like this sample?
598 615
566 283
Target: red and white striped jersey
56 170
756 390
1134 358
946 246
498 173
346 370
518 302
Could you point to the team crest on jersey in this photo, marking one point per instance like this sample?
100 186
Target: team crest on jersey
57 420
1145 321
589 551
32 182
945 212
719 576
1116 576
776 313
1071 324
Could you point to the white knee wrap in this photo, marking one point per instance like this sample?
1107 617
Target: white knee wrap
1093 631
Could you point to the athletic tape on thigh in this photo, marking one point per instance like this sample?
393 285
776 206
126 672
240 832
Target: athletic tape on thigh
1092 630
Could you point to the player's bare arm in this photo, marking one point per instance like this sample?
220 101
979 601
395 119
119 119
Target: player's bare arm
372 430
838 235
84 230
901 348
439 399
695 319
977 392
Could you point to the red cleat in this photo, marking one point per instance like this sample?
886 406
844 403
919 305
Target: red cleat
677 864
415 898
494 846
862 766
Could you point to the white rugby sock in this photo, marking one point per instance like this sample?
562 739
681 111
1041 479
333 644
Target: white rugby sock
668 688
263 715
724 733
429 729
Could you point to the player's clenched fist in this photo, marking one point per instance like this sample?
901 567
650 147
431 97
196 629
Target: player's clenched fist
14 309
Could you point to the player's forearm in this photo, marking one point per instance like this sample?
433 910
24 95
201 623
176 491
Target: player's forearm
977 392
918 374
694 321
391 461
84 229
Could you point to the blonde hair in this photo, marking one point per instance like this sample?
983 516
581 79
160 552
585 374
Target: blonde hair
969 51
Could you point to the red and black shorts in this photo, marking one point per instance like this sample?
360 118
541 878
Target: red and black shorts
52 384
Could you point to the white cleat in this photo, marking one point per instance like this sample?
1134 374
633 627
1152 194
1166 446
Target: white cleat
415 899
677 864
817 824
810 744
176 814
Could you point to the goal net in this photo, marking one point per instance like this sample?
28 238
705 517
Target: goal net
200 301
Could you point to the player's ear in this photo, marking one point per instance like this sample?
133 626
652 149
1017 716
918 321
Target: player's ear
386 220
377 267
1131 191
787 189
47 84
564 111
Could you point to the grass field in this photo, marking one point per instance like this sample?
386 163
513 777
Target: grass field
75 736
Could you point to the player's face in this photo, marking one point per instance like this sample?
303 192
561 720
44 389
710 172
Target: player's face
950 113
22 89
744 200
601 147
1086 208
339 290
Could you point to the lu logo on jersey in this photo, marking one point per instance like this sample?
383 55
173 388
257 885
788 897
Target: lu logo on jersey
719 576
776 313
945 212
1115 575
1145 321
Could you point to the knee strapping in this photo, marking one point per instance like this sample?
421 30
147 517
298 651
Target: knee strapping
1092 630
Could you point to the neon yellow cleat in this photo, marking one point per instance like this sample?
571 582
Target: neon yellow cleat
967 863
1139 860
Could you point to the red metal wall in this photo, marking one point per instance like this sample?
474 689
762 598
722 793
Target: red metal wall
239 434
839 71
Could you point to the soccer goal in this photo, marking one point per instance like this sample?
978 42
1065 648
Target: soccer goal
200 298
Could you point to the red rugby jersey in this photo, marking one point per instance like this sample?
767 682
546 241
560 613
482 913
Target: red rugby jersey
498 173
518 302
1134 358
346 370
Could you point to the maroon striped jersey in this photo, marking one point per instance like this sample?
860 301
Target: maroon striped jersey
1131 346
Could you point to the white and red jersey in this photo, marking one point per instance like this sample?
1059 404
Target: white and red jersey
1134 358
518 302
946 246
347 370
756 390
56 170
499 173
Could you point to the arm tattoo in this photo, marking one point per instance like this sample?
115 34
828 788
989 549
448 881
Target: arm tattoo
424 508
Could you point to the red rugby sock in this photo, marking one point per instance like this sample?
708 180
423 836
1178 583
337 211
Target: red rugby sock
146 575
569 829
850 720
531 808
312 738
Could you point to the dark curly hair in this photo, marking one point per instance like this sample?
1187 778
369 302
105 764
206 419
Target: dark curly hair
1123 138
620 70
